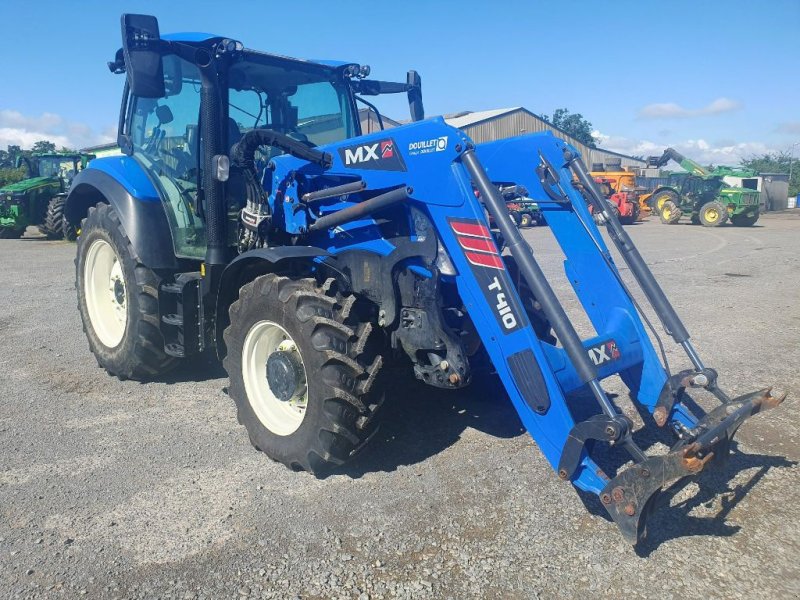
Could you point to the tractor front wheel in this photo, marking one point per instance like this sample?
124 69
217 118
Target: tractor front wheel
670 213
118 300
713 214
658 200
302 361
745 220
525 220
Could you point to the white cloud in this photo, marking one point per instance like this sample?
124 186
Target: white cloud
670 110
24 130
726 152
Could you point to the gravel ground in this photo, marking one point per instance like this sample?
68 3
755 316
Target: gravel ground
119 489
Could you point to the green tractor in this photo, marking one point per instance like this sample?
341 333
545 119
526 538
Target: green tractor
524 211
701 195
39 198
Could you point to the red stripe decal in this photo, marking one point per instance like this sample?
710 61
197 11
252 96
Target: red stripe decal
479 244
485 260
471 229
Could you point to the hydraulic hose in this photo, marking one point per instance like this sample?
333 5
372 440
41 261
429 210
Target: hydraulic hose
243 151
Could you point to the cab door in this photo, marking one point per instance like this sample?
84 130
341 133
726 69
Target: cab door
165 140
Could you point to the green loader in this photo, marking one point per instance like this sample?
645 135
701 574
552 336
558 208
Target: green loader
39 198
702 195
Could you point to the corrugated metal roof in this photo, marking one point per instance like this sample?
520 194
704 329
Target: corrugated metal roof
471 118
489 125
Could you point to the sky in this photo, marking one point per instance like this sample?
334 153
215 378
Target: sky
718 80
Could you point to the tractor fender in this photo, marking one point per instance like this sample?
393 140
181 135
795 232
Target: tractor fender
246 267
121 182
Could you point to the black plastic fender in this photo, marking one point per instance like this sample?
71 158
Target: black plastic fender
145 222
259 262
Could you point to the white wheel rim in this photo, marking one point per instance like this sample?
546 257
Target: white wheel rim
106 294
281 417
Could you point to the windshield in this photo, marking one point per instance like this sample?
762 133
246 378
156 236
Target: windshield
307 102
56 166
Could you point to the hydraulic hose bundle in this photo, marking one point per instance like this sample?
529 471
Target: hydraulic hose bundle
256 213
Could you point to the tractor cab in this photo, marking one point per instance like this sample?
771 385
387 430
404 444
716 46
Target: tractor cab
175 82
61 166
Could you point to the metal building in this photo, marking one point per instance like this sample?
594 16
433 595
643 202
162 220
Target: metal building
102 150
370 122
488 125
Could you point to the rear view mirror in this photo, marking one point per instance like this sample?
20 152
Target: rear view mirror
173 75
141 45
414 83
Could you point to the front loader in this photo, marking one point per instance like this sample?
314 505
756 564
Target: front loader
309 256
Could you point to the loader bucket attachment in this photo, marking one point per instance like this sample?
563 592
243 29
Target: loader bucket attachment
631 496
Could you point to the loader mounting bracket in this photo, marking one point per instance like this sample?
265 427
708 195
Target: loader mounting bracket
598 427
675 386
632 494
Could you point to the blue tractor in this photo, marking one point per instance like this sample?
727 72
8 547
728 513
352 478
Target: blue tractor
249 215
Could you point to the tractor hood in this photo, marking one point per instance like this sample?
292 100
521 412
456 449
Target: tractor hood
735 191
26 184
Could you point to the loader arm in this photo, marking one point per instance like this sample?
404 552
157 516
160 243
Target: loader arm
672 154
448 186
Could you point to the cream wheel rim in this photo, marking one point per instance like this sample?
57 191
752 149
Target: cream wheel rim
281 417
106 294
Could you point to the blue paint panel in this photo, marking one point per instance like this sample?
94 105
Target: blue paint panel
129 174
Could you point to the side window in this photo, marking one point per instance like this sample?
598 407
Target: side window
166 141
320 114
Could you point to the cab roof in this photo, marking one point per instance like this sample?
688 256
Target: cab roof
199 37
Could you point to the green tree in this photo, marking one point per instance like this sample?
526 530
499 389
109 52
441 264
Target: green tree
8 176
44 146
573 124
777 162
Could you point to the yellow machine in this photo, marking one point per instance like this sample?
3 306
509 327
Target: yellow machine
625 181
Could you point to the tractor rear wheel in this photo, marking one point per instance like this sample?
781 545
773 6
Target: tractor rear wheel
670 213
118 300
303 361
53 226
745 220
713 214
